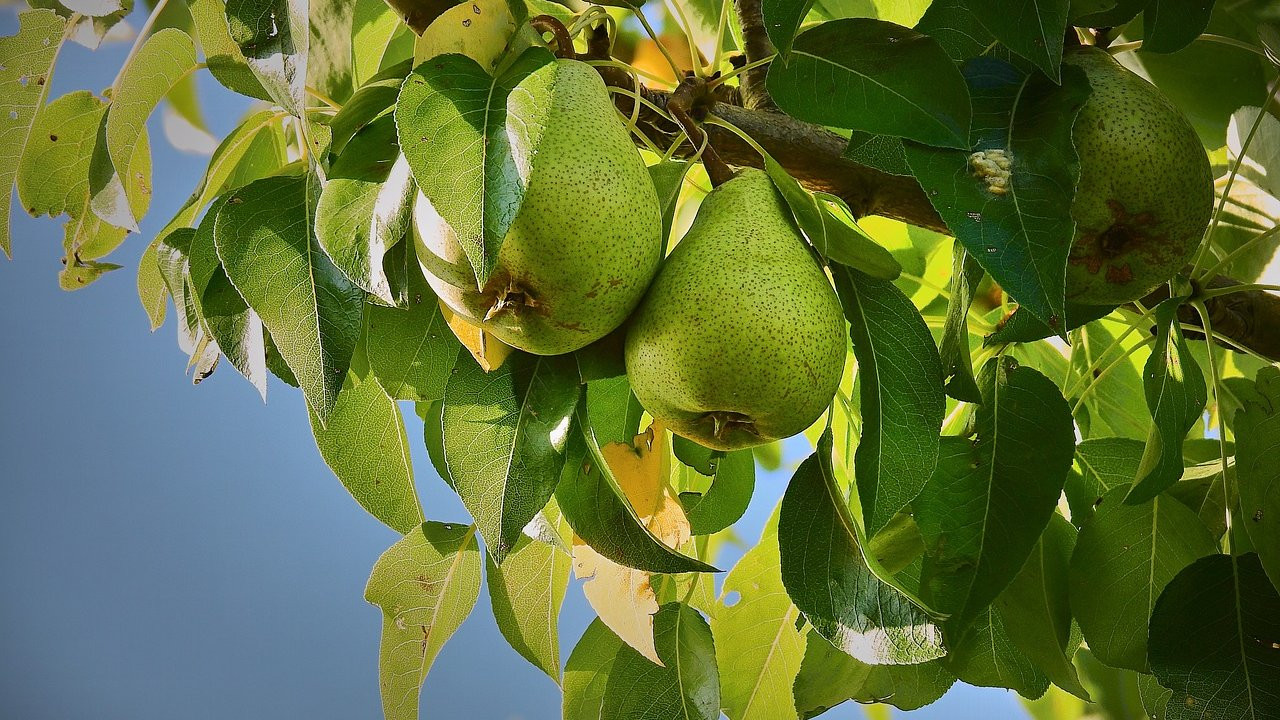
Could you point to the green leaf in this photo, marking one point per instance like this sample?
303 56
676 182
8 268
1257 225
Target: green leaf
758 640
877 77
733 479
373 24
1124 558
668 179
358 220
614 411
598 511
505 438
264 238
1213 636
235 327
902 403
330 56
1176 397
1035 611
411 349
1104 464
172 258
987 657
1032 28
686 687
87 28
1019 226
164 59
1024 327
273 37
882 152
27 57
450 101
365 444
827 575
53 177
782 18
1170 25
1154 698
526 592
426 585
829 677
374 100
1107 386
953 348
152 292
222 55
833 238
587 672
989 501
1257 428
956 29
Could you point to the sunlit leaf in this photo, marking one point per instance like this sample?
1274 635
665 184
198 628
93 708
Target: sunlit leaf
829 677
273 37
686 686
426 585
27 60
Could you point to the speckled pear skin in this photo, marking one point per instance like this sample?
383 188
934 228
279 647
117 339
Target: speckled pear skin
583 246
1146 192
741 332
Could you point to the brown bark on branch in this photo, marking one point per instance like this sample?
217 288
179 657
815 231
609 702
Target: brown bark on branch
757 46
814 156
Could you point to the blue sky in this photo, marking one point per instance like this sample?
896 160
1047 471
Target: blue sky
173 551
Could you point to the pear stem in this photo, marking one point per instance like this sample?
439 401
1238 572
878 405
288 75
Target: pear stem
691 98
560 33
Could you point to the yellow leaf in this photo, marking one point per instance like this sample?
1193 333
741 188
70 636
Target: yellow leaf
622 596
488 350
477 29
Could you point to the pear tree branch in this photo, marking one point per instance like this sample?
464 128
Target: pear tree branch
757 47
815 157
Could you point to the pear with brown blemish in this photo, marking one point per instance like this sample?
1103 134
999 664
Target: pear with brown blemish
741 339
584 244
1146 192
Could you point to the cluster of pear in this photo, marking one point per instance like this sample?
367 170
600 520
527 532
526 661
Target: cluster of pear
735 339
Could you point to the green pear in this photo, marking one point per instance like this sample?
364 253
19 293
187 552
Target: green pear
584 244
1145 194
740 339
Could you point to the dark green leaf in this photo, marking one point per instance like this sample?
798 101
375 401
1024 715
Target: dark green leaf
587 672
372 101
693 455
782 19
225 60
264 239
882 152
733 480
877 77
598 511
902 402
411 349
526 592
273 37
1035 611
235 327
1124 558
1213 635
989 501
426 585
688 687
1024 327
614 410
986 657
956 29
957 364
1170 25
1105 13
1032 28
1257 429
27 58
505 435
1104 464
829 677
365 444
450 101
827 576
1009 202
1176 397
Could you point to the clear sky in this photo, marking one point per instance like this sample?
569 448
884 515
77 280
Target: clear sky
171 551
